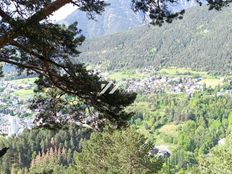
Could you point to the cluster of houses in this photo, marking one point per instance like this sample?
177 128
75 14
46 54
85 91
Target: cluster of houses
15 114
160 84
12 125
161 151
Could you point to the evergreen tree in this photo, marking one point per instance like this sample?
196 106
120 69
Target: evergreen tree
116 152
30 41
219 160
159 11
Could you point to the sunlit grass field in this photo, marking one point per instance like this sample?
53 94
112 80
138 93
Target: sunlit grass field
127 74
25 81
212 82
24 93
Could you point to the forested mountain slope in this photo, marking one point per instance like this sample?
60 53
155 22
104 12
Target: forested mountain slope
201 41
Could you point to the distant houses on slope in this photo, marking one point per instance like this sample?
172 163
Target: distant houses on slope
12 125
12 107
158 84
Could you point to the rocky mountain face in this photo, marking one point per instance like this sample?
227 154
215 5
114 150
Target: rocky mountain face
118 17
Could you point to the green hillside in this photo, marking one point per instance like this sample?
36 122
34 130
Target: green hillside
201 41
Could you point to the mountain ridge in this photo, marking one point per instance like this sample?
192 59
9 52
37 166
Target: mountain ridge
117 17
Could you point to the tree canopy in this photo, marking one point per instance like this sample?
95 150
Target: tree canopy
30 41
159 10
118 152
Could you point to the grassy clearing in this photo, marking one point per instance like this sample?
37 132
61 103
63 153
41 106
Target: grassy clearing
24 81
161 142
169 129
129 74
208 79
140 107
183 72
158 140
212 82
24 93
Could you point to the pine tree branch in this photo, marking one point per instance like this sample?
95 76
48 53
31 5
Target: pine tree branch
47 11
7 37
39 56
20 65
36 18
6 17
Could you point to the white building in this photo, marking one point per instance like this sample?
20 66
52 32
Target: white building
14 126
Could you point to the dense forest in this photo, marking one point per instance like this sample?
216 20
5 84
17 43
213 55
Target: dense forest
33 147
201 41
190 127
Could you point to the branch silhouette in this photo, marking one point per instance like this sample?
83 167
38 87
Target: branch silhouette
3 151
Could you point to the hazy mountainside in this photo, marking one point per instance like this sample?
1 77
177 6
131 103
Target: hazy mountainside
202 40
182 4
118 17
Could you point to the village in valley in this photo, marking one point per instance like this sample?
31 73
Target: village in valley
172 81
16 94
